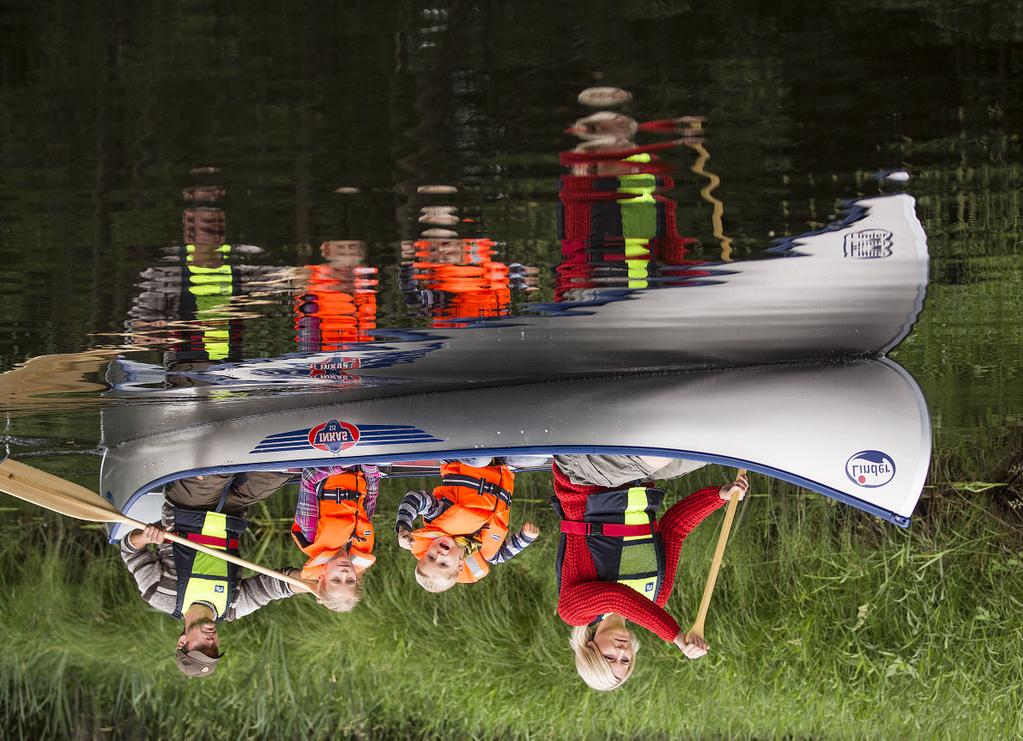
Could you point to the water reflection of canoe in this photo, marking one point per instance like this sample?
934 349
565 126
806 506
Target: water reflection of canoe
851 290
856 432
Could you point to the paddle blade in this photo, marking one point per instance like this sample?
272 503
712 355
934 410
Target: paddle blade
56 494
67 498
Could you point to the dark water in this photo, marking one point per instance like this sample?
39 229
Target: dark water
314 133
107 113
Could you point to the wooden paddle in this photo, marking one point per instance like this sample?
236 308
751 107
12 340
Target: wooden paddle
67 498
715 564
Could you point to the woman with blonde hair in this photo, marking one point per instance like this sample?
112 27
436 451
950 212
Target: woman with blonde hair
604 672
617 562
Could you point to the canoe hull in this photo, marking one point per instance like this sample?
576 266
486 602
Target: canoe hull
857 432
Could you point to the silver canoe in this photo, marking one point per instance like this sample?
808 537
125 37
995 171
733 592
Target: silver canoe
857 432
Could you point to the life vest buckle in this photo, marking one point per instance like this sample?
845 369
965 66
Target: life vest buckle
339 495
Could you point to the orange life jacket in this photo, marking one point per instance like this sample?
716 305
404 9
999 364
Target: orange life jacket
480 505
343 522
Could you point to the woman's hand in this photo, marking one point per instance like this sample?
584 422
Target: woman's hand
530 530
741 483
693 647
405 539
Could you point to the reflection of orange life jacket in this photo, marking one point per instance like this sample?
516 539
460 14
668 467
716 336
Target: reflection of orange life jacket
480 500
336 308
343 521
476 285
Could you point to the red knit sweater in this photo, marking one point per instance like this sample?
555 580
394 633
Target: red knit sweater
583 597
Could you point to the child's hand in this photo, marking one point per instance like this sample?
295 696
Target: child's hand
693 647
405 539
741 483
530 530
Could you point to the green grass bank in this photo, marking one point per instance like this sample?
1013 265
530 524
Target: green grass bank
825 623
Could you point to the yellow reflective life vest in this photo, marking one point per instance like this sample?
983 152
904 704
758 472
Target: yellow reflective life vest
201 577
635 560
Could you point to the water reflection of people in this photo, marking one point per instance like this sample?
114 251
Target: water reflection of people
197 588
616 226
465 525
338 303
455 280
617 562
332 527
189 307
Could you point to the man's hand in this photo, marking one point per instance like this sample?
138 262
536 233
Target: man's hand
741 483
405 539
530 530
692 648
152 534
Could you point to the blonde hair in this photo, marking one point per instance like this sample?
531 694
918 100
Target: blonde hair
434 584
591 664
337 598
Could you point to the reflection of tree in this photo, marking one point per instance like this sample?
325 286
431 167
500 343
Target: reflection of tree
968 338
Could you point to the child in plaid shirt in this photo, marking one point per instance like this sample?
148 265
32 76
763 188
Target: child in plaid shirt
333 527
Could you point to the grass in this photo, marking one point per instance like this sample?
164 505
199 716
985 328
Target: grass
825 623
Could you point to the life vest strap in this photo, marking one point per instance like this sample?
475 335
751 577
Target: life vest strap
229 543
482 486
614 530
339 495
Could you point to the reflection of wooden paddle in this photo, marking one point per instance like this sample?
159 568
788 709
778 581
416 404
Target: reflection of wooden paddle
719 553
67 498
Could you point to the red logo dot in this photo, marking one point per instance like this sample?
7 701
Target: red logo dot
862 478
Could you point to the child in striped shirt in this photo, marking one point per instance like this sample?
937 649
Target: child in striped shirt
465 525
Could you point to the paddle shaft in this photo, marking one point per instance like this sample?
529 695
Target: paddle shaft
715 564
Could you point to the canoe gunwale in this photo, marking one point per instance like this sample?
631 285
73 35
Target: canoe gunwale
724 460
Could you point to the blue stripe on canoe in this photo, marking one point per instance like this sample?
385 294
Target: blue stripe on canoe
303 444
309 447
281 442
874 509
385 441
364 430
372 436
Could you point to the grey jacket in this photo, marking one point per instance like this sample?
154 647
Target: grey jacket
157 578
614 471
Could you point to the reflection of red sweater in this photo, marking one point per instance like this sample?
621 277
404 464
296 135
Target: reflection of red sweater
583 597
